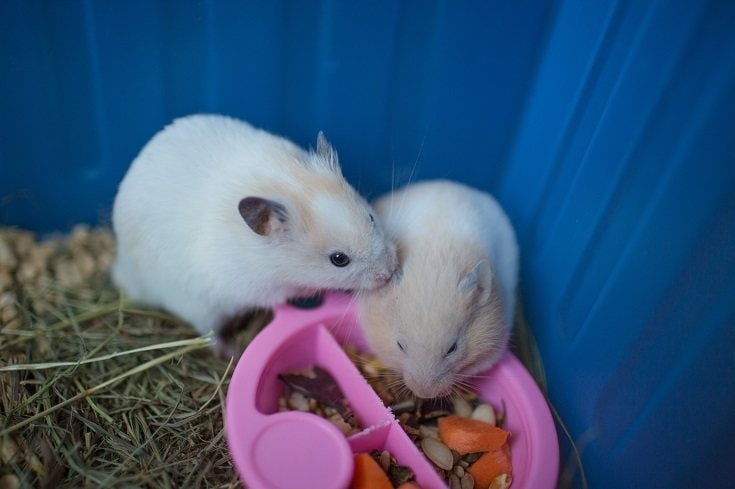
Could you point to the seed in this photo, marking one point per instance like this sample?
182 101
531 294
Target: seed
438 453
462 408
340 423
467 481
434 408
454 482
428 432
313 405
459 470
385 460
500 482
298 402
403 407
484 412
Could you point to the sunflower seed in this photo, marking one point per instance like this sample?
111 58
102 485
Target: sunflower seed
462 408
500 482
438 453
484 412
298 402
428 432
454 482
385 460
467 482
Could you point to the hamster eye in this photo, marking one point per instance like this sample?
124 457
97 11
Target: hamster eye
372 219
339 259
400 346
452 348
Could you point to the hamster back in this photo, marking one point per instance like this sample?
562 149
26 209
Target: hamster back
447 315
215 217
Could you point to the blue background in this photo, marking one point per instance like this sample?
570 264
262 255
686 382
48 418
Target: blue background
604 127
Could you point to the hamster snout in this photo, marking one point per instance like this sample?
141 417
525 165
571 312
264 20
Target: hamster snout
382 278
426 385
383 274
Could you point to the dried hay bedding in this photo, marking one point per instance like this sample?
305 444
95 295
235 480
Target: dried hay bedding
101 393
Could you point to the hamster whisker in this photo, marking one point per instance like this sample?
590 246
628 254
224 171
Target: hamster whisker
406 393
395 383
464 384
388 375
358 358
392 172
470 376
455 393
351 302
412 173
418 156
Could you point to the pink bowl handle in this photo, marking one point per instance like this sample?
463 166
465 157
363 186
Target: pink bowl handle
290 449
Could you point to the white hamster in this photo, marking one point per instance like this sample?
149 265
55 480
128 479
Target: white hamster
447 313
215 217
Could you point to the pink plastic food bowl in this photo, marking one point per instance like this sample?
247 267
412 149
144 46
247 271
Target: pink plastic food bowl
283 450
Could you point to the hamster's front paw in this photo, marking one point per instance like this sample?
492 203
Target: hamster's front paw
311 302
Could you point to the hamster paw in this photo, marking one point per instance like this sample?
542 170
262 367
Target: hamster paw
311 302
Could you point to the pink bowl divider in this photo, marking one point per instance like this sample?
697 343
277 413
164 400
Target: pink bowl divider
283 450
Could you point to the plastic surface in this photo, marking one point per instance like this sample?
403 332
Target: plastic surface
279 450
604 128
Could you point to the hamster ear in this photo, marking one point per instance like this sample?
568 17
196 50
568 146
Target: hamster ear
326 151
265 217
478 281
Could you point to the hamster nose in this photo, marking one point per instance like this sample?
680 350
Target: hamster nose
383 277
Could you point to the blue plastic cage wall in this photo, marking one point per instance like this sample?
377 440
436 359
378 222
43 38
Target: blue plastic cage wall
605 128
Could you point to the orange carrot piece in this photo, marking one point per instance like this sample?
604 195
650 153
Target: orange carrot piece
491 465
369 474
465 435
409 485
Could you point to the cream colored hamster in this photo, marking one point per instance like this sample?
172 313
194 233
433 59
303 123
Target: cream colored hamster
215 217
447 313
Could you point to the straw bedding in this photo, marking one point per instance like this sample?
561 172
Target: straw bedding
106 394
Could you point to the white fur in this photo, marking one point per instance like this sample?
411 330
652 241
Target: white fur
459 259
183 245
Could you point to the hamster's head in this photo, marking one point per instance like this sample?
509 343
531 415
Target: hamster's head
320 233
438 327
